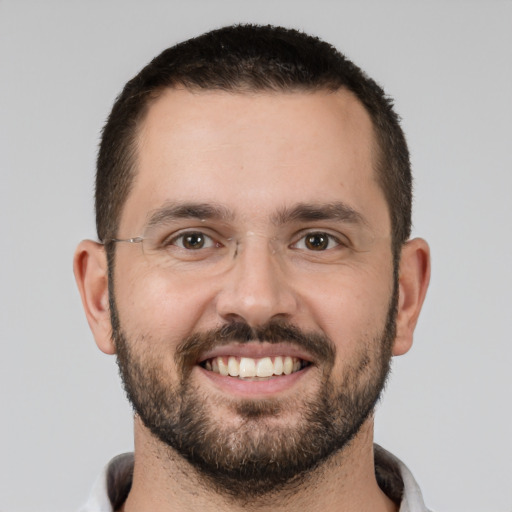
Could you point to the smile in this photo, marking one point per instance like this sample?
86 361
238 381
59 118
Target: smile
251 368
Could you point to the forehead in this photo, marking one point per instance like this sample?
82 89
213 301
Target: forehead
254 152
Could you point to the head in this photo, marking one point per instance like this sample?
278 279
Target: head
250 59
255 323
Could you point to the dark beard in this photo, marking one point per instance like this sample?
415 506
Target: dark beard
255 457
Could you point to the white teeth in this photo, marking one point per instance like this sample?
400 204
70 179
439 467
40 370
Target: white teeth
278 365
264 367
233 367
223 367
287 365
247 367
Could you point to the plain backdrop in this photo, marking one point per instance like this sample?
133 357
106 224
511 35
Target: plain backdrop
447 409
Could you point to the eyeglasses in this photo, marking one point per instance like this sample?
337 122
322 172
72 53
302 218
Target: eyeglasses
211 250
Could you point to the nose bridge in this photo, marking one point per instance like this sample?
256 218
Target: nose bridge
256 289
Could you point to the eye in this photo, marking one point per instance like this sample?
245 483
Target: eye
317 241
193 241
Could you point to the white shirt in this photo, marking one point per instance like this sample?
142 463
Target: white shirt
388 467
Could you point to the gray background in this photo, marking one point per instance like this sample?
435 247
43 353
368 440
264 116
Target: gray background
447 409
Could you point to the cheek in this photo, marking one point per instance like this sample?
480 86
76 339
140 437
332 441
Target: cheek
160 308
351 307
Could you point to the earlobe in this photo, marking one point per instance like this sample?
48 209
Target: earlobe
91 274
414 277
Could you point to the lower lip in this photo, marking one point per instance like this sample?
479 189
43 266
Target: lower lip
255 388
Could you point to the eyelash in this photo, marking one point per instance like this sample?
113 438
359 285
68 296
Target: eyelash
181 236
330 239
212 243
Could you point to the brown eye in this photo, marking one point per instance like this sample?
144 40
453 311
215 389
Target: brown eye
193 241
317 241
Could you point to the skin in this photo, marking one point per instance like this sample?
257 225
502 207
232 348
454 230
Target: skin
257 154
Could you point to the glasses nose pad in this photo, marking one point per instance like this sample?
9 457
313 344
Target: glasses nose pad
273 244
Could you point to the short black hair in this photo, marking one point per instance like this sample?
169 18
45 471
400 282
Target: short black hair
249 58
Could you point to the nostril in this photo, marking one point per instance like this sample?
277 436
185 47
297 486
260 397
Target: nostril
254 291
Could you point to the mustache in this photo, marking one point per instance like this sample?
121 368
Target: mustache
318 345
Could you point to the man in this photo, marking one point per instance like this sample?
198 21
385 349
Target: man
254 276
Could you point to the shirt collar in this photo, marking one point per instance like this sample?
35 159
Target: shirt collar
394 478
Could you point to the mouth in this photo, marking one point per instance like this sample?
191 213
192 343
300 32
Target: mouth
254 369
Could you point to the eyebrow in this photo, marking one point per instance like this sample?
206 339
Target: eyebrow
189 210
303 212
307 212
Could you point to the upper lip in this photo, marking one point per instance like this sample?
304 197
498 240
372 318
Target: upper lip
256 350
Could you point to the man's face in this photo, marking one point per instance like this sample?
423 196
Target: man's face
267 253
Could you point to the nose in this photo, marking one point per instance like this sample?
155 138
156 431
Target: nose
256 289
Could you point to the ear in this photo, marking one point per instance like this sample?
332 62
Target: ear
91 274
414 276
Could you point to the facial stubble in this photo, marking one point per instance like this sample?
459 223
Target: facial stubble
255 455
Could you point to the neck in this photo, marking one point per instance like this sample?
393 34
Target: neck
164 482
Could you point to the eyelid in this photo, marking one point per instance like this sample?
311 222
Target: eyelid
171 239
338 238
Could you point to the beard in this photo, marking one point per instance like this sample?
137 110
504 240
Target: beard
255 455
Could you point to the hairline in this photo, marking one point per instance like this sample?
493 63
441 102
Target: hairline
134 142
